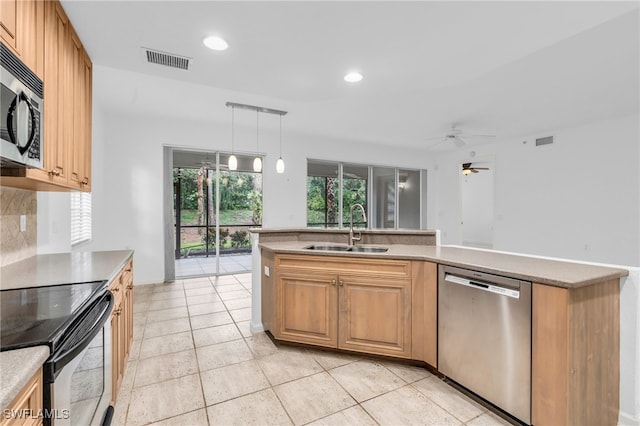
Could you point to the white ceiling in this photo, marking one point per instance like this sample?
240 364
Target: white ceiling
505 68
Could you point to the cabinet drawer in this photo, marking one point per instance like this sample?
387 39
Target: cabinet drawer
350 265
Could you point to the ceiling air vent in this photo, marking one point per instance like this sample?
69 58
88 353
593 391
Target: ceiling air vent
167 59
544 141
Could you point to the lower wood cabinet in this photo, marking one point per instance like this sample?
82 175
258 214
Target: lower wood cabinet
121 326
357 305
28 401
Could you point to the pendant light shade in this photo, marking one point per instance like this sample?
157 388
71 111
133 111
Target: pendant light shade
257 164
280 162
233 161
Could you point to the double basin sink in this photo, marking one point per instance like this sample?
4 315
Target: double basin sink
354 249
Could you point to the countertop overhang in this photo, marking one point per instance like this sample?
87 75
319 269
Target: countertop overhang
556 273
63 268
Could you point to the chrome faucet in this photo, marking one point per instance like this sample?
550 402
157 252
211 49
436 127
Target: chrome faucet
364 219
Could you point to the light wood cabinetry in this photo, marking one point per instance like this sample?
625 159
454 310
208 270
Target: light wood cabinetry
355 304
121 326
28 404
67 109
424 312
22 31
576 353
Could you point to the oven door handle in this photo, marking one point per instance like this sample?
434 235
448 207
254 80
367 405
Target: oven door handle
13 109
80 337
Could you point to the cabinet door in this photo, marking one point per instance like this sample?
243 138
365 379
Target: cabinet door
375 315
116 349
306 308
58 117
8 21
77 87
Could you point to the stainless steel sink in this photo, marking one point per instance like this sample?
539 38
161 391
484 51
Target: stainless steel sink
328 247
356 249
365 249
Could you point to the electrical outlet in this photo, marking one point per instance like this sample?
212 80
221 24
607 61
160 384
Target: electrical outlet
266 271
23 223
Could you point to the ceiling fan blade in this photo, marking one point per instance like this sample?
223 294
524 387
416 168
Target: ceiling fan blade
474 171
433 138
466 135
481 168
458 142
443 140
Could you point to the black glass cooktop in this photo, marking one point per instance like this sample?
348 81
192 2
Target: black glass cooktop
38 315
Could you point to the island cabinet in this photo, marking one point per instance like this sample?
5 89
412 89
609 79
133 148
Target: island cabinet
121 325
356 304
575 377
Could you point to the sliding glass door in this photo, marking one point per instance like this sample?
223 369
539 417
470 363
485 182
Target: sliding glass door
214 209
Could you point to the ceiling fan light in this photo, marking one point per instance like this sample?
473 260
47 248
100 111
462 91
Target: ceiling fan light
466 171
233 162
280 165
257 164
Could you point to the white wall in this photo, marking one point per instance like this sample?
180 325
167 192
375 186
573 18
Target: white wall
477 207
578 198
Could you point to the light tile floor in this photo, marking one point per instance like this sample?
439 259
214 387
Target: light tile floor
194 361
203 266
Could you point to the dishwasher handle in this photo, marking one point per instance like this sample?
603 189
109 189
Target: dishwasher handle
483 286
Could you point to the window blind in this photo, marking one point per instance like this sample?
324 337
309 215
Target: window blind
80 217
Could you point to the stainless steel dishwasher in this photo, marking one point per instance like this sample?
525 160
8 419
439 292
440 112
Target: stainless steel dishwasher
484 336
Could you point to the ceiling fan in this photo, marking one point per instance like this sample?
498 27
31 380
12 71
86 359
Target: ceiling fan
467 169
457 136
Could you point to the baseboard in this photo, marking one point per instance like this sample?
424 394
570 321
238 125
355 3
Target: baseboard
625 419
256 327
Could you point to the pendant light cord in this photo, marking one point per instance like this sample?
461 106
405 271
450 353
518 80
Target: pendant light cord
233 115
281 136
257 132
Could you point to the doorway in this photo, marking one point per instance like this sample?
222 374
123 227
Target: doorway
213 210
477 205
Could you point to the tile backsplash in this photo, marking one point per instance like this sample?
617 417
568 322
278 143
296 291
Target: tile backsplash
16 245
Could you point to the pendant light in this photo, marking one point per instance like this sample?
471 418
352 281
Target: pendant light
257 162
280 162
233 161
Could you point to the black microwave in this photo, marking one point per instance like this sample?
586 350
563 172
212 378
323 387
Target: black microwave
21 107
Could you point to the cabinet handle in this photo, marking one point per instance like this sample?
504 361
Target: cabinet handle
85 181
117 289
55 172
333 282
117 311
130 287
341 283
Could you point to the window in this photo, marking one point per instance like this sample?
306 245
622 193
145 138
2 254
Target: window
392 197
80 217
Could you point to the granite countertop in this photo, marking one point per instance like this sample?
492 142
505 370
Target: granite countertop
63 268
16 368
543 271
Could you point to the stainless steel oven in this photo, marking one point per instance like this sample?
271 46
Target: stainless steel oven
73 320
21 118
77 376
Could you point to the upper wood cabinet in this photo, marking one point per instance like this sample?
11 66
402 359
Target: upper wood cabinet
22 30
67 107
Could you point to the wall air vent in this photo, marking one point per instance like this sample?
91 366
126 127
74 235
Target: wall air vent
544 141
167 59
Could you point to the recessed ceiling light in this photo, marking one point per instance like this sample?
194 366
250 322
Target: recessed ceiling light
216 43
353 77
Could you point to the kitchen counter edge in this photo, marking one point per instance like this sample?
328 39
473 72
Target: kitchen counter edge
557 273
64 268
16 368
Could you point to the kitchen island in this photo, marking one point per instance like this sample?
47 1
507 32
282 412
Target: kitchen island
334 298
